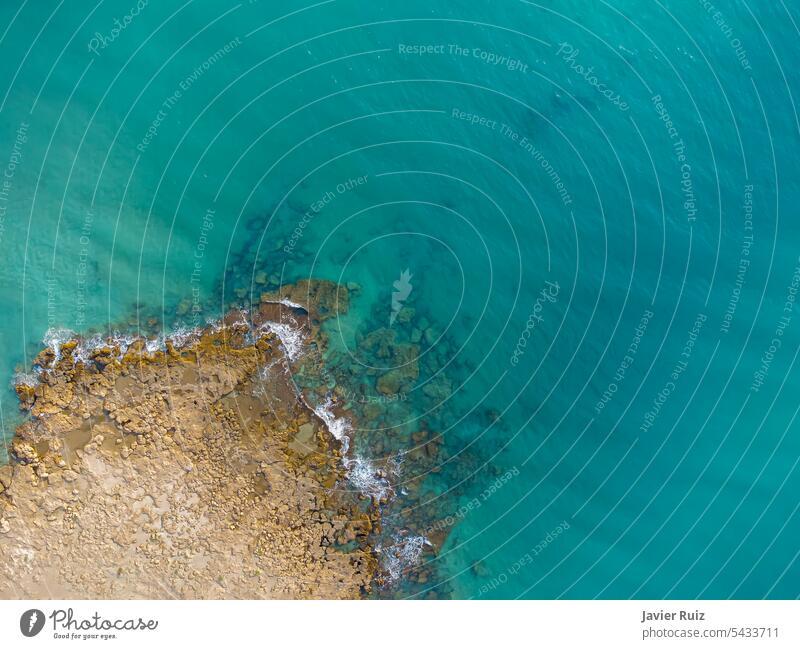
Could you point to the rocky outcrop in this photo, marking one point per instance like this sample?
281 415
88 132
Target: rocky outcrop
189 470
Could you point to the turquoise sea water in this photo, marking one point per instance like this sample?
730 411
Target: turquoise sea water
596 205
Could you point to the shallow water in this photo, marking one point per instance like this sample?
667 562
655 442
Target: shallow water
602 285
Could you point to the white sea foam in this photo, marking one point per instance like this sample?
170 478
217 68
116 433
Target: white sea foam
182 336
406 550
292 305
285 301
215 325
291 338
55 338
395 464
243 320
366 478
86 346
339 427
158 344
404 553
123 341
31 379
360 471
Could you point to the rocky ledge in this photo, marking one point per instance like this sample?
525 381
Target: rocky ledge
186 468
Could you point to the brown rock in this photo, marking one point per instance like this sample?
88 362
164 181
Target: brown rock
223 490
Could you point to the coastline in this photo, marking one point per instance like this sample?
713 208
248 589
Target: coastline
187 467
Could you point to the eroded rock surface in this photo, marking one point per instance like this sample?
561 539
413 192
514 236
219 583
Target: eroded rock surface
190 472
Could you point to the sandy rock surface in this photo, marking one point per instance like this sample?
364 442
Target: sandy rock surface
191 472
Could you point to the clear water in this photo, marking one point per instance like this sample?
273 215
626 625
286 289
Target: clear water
689 494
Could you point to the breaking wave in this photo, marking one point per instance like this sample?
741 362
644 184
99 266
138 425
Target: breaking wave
291 338
404 553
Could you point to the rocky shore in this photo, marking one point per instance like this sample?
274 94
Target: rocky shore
189 467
